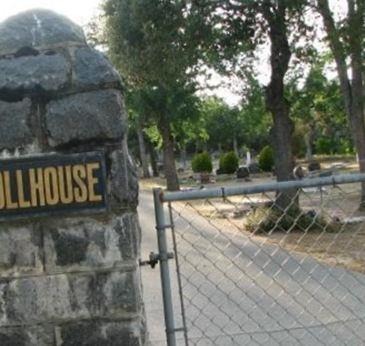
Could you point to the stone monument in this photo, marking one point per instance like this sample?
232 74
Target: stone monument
70 279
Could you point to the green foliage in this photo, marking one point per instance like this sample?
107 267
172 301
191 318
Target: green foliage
324 145
266 159
202 163
149 41
150 44
256 122
319 113
333 146
249 125
221 122
228 163
298 143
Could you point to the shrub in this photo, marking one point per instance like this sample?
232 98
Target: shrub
202 163
228 163
266 159
325 145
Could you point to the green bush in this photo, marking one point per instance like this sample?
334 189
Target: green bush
266 159
202 163
228 163
324 145
331 146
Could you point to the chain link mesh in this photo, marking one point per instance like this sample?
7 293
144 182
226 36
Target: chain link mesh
275 268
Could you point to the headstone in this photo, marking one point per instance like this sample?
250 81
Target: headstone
242 172
254 168
67 277
314 166
298 172
248 158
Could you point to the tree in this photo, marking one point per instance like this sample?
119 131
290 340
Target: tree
222 123
138 121
346 40
255 119
170 110
319 114
150 43
236 29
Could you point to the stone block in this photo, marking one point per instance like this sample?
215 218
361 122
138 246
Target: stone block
30 74
20 250
123 179
84 244
97 333
39 29
92 69
67 280
27 336
96 115
56 298
14 129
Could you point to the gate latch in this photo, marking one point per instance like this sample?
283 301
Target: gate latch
154 259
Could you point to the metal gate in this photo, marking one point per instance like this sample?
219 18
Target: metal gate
274 264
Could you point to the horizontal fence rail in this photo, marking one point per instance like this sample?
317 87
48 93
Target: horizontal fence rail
247 190
280 263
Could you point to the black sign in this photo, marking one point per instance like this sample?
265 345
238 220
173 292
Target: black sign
52 184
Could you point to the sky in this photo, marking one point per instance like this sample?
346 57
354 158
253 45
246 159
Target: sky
80 11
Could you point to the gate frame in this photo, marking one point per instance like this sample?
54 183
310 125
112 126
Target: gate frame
161 198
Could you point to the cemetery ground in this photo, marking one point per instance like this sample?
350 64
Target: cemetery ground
341 246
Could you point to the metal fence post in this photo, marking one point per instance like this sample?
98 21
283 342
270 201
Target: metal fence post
164 268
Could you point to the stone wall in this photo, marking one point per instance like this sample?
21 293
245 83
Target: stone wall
67 280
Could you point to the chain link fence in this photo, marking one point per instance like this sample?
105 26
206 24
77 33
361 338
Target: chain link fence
274 264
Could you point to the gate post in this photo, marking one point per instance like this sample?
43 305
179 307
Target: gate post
164 267
67 276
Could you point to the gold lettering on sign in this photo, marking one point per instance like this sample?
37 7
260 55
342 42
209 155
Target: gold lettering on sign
80 192
92 181
2 193
10 204
65 185
19 180
51 185
37 187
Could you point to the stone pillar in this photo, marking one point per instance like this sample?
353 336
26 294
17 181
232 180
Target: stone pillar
67 280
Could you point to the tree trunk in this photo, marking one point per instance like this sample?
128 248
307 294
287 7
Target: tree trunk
153 159
356 20
183 156
172 180
142 151
352 93
308 146
308 139
357 116
276 103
